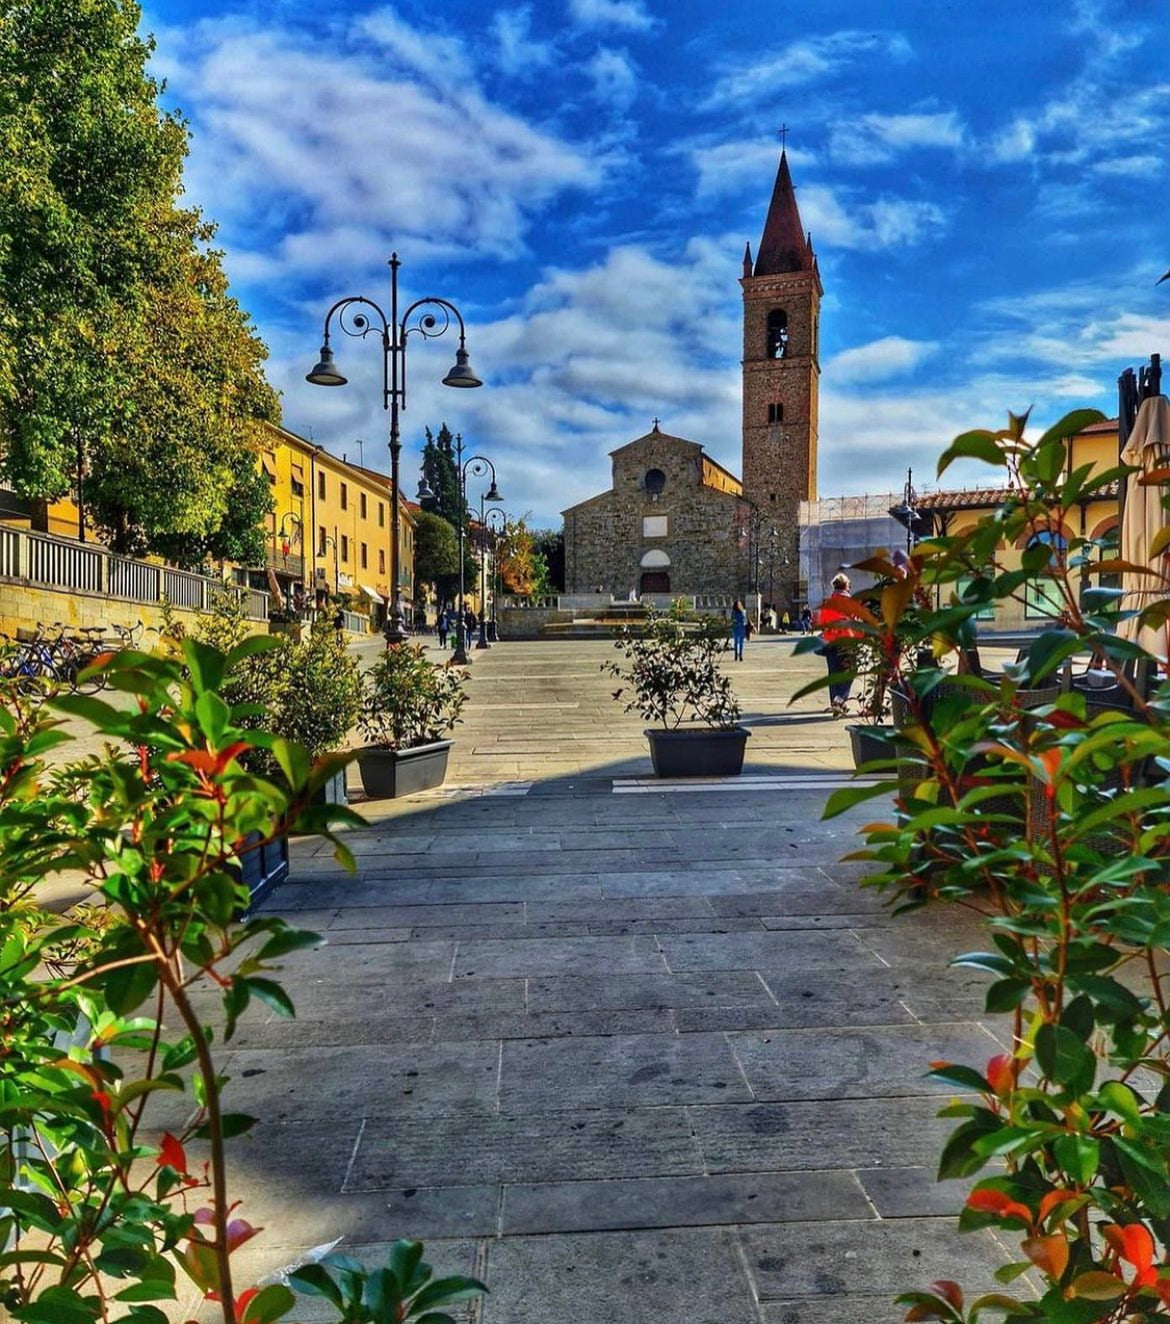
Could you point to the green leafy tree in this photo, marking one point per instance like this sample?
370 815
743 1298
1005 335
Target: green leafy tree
550 544
440 469
436 552
121 352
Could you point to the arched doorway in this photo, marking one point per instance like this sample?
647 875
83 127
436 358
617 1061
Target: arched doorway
655 573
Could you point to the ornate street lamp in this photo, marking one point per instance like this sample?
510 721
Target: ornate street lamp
477 466
497 522
394 332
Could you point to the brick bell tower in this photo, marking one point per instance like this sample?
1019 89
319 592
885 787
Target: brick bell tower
781 311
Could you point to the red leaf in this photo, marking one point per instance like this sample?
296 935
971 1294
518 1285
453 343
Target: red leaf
238 1231
990 1201
172 1155
949 1291
1000 1073
202 760
1049 1254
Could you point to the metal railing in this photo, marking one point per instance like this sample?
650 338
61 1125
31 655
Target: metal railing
45 561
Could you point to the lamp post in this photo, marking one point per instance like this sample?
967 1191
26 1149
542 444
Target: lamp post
430 316
755 520
498 533
477 466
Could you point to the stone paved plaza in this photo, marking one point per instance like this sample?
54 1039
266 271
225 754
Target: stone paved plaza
630 1052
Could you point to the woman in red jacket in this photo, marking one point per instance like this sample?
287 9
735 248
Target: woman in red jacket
837 635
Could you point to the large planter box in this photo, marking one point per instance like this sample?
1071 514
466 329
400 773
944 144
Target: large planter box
263 869
697 752
870 743
388 773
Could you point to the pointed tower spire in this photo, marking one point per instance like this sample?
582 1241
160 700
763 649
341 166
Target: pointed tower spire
747 259
783 246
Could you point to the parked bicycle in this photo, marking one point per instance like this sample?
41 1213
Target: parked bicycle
56 655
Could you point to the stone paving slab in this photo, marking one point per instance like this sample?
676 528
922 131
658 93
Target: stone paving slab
572 1145
669 1054
799 1136
615 1070
736 1200
694 1275
852 1063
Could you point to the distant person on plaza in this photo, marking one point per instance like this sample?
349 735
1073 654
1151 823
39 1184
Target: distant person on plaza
785 623
739 624
441 627
834 620
468 626
806 623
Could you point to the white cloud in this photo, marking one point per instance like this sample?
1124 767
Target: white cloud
885 223
729 167
802 62
516 50
880 359
615 77
629 14
873 138
297 144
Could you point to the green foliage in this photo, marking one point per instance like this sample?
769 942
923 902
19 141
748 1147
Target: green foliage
549 545
440 469
401 1291
436 549
99 1014
672 667
408 700
119 344
306 690
1051 814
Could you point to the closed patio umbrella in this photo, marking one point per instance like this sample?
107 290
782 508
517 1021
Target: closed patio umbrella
1143 517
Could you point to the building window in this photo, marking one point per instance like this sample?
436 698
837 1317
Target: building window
345 548
321 536
777 334
775 412
320 487
381 515
654 481
345 496
362 504
298 488
381 560
1043 599
364 556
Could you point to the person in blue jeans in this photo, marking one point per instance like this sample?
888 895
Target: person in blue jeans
739 626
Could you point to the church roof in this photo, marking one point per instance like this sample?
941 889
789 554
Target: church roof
784 245
656 434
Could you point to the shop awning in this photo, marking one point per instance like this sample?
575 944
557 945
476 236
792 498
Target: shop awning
370 593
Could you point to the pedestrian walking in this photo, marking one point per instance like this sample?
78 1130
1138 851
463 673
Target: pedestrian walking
739 625
806 621
837 635
469 627
441 627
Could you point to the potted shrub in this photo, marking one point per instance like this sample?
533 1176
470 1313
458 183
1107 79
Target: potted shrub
104 1214
672 669
1051 819
408 706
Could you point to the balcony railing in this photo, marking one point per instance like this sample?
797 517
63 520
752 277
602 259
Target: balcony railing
60 564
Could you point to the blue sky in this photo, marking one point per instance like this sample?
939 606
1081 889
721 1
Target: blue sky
986 185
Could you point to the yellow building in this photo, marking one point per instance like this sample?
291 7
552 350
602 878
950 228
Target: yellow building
953 512
330 529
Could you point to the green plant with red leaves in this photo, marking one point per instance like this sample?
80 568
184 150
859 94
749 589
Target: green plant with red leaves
1051 814
100 1214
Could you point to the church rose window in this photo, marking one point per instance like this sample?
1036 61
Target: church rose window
654 481
777 334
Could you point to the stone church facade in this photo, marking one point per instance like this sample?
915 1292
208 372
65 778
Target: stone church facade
675 521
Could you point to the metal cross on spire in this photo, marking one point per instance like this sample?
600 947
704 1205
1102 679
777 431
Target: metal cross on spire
783 132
